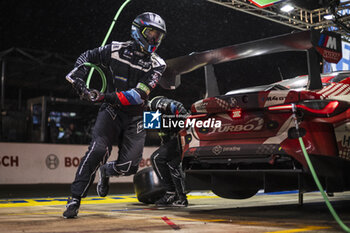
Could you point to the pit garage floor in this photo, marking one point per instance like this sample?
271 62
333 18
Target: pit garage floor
278 213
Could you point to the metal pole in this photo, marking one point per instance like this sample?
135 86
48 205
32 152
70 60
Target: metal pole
19 99
43 119
3 85
2 104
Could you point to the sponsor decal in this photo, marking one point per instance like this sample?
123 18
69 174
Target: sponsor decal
155 79
71 161
276 98
331 56
144 63
139 127
231 149
121 78
9 161
217 150
52 161
329 46
254 124
328 42
143 87
201 106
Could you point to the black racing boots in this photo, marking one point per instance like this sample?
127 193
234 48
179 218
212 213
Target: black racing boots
103 183
72 208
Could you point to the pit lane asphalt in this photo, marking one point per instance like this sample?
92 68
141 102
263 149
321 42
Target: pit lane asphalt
276 212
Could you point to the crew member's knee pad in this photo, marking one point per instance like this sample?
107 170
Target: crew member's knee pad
175 163
94 156
100 152
159 159
125 169
132 171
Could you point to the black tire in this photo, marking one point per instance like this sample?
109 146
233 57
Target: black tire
234 187
147 186
234 194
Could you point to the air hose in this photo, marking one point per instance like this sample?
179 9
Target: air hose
314 175
105 40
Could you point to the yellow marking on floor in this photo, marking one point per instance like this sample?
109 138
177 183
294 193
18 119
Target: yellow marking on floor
200 197
6 203
63 201
57 213
308 228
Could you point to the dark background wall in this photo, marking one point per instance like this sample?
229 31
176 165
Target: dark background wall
73 26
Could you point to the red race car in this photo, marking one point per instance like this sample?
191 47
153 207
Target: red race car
256 145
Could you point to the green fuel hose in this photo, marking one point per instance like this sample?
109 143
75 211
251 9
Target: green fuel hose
103 76
106 38
317 181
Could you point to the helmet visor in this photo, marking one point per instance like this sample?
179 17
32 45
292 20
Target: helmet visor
153 36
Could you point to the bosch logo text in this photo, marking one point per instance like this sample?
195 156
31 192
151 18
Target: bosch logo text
9 161
71 161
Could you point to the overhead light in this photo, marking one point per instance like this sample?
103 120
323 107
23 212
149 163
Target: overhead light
328 17
287 8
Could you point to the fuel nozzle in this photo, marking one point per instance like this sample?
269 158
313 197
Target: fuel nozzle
95 95
294 111
296 132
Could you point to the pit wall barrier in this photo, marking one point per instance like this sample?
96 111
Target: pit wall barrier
32 163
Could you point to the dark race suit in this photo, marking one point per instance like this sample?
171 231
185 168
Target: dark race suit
131 75
166 160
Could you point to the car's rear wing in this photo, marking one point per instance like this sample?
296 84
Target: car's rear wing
328 44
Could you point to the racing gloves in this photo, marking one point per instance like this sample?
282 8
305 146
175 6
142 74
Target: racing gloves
122 98
86 93
79 86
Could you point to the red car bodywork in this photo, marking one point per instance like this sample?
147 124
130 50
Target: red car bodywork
256 146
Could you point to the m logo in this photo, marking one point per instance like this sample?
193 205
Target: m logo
331 43
151 120
328 42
